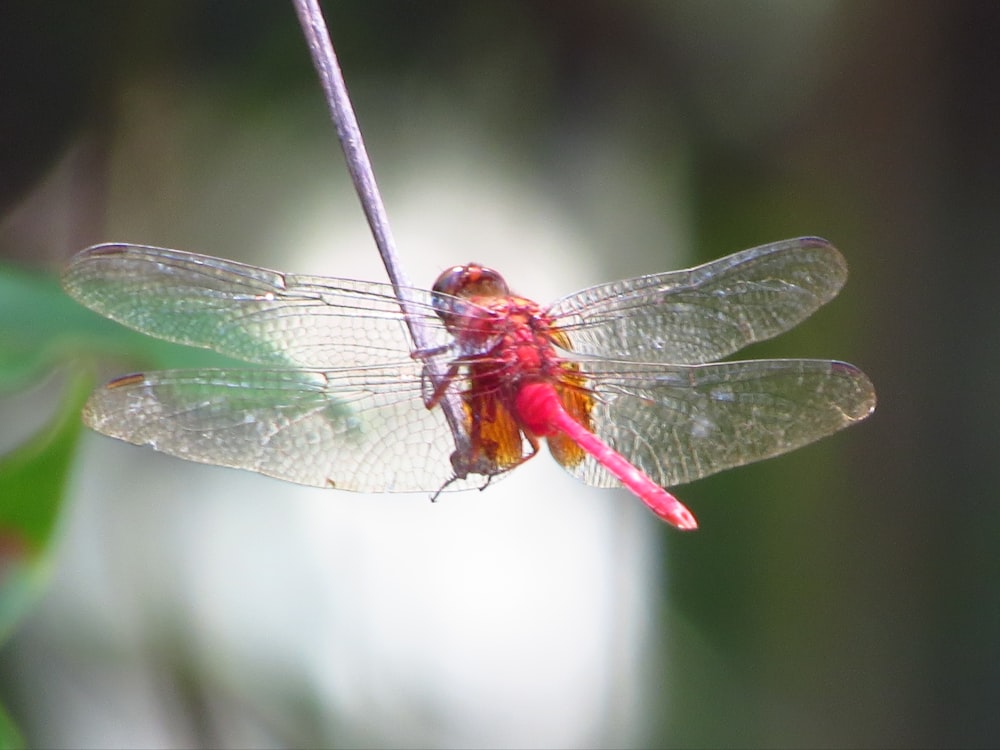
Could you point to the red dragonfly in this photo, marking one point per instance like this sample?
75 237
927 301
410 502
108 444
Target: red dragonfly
619 379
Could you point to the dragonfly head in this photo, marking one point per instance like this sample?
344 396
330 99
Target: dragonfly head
465 282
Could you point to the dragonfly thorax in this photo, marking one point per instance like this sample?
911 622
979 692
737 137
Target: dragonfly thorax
512 338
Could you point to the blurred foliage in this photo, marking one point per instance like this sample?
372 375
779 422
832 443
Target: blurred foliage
41 326
33 482
10 737
33 314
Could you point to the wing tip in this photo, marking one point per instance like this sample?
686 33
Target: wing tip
864 405
79 269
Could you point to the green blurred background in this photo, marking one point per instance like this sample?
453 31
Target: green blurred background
845 595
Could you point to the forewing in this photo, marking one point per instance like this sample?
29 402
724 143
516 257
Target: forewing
249 313
681 423
364 429
704 313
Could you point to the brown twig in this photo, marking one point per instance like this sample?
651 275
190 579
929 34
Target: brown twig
358 164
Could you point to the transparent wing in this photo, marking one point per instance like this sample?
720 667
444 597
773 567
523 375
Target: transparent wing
704 313
365 429
681 423
249 313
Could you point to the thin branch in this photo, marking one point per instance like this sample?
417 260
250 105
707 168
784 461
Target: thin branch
342 113
360 168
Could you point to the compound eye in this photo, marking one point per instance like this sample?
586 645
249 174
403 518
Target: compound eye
465 282
449 282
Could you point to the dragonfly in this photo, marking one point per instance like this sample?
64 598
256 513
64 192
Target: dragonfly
621 380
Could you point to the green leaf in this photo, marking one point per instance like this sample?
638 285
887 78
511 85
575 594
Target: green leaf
33 310
10 737
41 326
33 481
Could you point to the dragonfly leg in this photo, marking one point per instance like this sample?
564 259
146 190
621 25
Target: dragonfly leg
424 354
442 387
